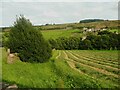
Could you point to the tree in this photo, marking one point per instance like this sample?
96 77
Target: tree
104 32
5 39
53 43
85 45
28 42
73 43
61 41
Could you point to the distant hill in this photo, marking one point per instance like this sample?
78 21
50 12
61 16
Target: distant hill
97 24
108 24
90 20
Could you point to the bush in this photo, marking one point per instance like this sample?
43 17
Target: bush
5 39
28 42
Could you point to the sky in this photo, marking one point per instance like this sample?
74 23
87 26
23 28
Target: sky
41 13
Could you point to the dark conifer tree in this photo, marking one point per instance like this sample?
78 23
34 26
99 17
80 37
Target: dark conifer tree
28 42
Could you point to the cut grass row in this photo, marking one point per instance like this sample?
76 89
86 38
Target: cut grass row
99 63
99 57
111 56
93 73
96 74
96 60
111 71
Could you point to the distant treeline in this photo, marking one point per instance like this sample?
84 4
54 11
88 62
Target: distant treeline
90 20
103 41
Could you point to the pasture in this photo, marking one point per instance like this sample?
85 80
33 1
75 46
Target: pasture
65 69
61 33
114 30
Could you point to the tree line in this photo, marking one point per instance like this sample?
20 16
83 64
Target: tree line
90 20
104 40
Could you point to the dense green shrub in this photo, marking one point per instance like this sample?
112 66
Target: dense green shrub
28 42
104 32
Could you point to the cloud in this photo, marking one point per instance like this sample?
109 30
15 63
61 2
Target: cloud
60 0
58 12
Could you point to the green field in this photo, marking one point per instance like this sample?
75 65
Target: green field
65 69
114 30
60 33
54 34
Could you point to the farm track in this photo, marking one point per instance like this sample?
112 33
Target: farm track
109 65
59 53
95 68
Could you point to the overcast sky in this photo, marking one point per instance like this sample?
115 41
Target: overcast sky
56 12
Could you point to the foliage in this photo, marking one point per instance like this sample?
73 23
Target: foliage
5 39
104 32
103 41
28 42
64 43
53 43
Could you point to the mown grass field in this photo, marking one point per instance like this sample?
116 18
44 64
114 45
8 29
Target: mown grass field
65 69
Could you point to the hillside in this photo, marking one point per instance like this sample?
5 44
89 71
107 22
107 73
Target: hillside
54 34
73 29
109 24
